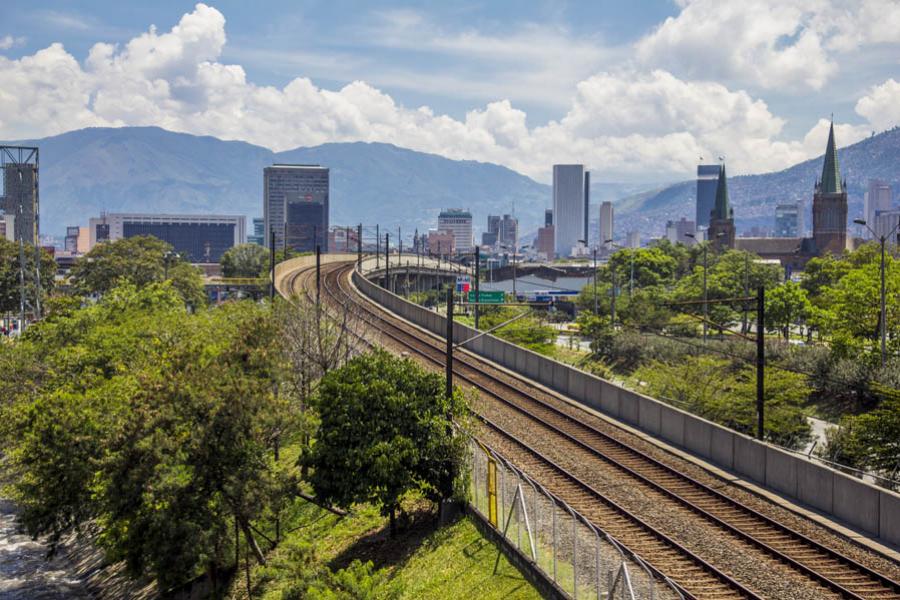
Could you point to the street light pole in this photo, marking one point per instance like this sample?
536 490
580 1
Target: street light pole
883 239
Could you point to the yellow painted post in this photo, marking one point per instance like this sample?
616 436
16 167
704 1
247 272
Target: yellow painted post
492 491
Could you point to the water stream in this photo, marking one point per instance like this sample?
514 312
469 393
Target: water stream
25 573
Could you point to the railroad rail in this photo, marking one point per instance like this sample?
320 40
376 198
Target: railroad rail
826 567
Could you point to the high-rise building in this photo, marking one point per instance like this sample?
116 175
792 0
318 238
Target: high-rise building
879 198
259 232
548 217
721 219
633 239
544 243
441 243
20 197
830 204
508 232
491 236
70 244
677 232
458 222
707 183
606 225
885 223
788 220
295 206
199 238
570 197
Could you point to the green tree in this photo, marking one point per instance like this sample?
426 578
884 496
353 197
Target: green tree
717 390
652 267
245 260
10 281
385 430
528 331
786 305
142 260
153 423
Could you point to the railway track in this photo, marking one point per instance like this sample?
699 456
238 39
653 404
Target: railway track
837 574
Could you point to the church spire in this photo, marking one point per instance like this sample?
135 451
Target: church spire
831 173
721 210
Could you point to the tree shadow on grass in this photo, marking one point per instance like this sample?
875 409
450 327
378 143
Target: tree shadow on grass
385 551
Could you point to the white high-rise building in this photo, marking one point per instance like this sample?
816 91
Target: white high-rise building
885 222
634 239
606 225
570 202
459 223
879 198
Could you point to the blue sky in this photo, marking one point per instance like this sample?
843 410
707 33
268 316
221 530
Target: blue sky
637 90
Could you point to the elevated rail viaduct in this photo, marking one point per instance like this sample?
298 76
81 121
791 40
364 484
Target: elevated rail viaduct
721 514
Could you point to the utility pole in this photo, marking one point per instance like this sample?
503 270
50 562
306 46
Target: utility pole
359 246
612 310
744 323
883 325
760 359
272 264
883 309
318 274
387 262
477 279
705 300
377 247
596 309
449 367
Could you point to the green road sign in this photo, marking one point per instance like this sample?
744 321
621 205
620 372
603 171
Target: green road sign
493 297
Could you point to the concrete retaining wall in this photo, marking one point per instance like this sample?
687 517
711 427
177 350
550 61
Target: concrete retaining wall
861 505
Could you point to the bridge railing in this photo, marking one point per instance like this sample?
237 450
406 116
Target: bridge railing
581 559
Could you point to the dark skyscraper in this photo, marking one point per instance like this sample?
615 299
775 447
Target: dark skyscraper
295 206
20 190
830 204
707 183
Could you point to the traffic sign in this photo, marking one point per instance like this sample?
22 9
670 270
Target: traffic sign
488 297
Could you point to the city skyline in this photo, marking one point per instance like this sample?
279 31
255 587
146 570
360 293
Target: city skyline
666 99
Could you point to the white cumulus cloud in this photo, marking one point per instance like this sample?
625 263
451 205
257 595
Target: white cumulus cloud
625 123
772 44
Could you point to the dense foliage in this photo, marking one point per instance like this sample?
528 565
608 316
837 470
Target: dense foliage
141 260
245 260
384 431
10 276
152 422
828 360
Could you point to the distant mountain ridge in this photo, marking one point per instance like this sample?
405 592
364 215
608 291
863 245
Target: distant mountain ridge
754 197
148 169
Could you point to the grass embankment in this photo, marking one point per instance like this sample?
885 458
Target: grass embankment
325 556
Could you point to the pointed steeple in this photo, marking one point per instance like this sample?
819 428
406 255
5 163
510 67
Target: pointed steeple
831 173
721 210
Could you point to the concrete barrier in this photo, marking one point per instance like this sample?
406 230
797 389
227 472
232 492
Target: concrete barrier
629 407
781 471
866 507
722 450
671 426
815 486
889 517
698 436
857 503
750 458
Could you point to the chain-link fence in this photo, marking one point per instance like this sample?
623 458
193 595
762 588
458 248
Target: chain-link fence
583 560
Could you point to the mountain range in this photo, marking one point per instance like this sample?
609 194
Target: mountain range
754 197
148 169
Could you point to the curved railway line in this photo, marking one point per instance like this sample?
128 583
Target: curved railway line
774 547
